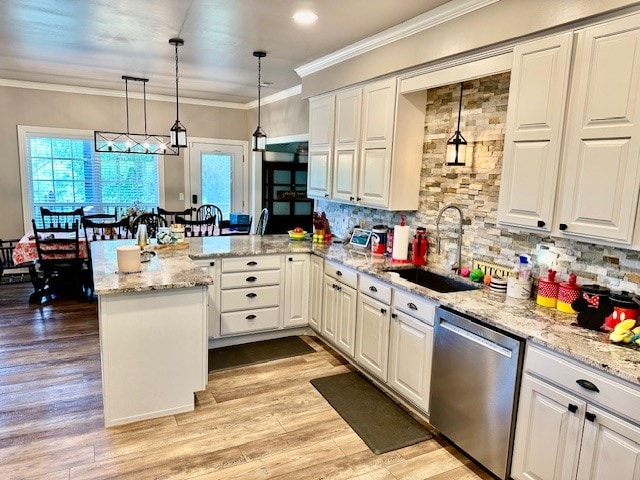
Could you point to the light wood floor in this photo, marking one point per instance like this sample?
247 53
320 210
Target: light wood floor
258 422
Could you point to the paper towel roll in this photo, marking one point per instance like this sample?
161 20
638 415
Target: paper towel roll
128 258
400 242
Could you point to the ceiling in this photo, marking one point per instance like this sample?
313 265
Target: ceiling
92 43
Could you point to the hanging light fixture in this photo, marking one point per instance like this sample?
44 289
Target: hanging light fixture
259 137
127 142
178 132
457 145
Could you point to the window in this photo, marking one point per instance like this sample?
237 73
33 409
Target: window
61 171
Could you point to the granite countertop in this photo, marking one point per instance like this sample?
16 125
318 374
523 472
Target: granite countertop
524 318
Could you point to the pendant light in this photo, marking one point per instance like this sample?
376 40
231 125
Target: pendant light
457 145
178 132
259 137
137 143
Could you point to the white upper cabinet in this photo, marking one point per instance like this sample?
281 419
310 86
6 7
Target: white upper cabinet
321 112
537 97
376 155
347 144
601 174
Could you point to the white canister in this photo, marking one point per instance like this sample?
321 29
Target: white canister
128 258
517 288
177 231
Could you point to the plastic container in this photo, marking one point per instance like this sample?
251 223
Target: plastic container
379 239
624 308
568 293
517 288
548 290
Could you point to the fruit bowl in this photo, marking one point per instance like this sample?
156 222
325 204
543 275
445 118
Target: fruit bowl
297 235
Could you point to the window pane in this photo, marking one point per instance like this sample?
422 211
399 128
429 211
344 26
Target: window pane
67 173
217 178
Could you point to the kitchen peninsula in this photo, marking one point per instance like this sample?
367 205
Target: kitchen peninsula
161 311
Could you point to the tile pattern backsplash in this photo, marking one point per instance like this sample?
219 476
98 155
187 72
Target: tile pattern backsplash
475 188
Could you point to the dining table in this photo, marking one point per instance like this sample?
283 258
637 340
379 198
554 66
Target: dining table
25 254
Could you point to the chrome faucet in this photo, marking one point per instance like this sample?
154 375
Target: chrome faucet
459 239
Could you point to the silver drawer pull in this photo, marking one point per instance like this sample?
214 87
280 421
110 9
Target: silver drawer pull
250 317
252 295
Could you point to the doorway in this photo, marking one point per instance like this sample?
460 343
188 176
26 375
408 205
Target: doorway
218 175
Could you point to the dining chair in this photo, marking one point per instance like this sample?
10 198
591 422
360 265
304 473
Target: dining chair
153 221
170 215
64 219
59 258
209 211
197 228
6 256
95 228
263 220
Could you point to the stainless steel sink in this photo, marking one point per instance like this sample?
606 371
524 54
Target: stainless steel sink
434 281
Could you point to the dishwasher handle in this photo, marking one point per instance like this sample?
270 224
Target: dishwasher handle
475 338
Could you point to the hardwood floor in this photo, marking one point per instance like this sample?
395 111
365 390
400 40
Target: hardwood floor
257 422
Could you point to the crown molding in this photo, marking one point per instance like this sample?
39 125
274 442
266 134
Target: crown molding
52 87
276 97
430 19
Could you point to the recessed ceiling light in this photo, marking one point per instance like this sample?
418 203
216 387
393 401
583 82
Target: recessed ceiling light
305 17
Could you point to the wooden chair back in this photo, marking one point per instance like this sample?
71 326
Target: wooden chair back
60 219
207 211
153 221
97 229
170 215
261 226
197 228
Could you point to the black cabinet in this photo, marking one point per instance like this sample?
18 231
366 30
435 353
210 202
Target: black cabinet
284 191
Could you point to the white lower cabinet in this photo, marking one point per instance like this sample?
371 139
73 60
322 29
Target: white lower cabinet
250 294
372 327
296 289
568 431
315 292
411 349
339 309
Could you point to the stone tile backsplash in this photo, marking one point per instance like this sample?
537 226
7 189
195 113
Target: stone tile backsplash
475 188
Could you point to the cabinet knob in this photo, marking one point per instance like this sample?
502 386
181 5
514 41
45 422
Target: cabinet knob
251 279
541 224
352 198
291 259
358 199
212 264
572 408
586 384
394 315
590 416
252 295
383 311
326 195
339 273
250 317
373 289
563 226
412 306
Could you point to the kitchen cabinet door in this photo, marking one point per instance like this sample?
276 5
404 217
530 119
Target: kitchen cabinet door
321 123
548 432
601 174
378 120
535 117
410 354
347 144
372 336
346 316
296 289
610 448
316 276
329 310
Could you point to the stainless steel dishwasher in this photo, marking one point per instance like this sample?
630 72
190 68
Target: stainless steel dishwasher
474 388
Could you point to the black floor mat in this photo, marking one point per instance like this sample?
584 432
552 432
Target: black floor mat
381 423
257 352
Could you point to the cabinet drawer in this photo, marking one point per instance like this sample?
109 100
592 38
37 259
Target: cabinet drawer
375 289
615 395
421 308
247 298
256 262
344 275
250 279
250 321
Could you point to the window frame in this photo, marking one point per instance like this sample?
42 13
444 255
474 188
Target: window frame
25 179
